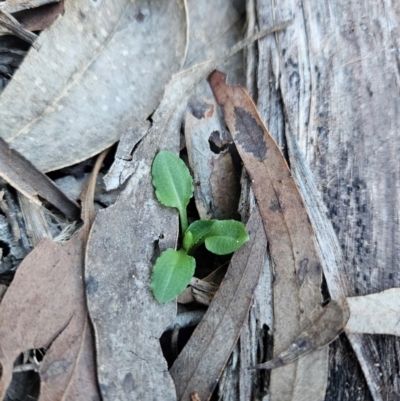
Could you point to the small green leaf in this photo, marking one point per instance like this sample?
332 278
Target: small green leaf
173 183
226 236
196 233
171 274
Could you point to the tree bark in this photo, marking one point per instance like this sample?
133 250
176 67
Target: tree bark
331 82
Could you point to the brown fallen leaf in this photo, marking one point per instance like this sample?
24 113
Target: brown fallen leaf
116 57
297 270
201 362
24 177
49 286
375 313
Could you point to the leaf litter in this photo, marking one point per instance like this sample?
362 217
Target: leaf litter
119 261
306 323
45 304
116 57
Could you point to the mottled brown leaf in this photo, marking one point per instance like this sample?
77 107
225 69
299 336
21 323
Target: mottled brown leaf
297 270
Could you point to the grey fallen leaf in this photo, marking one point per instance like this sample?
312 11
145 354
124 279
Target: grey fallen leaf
375 314
96 68
128 321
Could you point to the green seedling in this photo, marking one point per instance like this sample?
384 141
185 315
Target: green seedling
174 269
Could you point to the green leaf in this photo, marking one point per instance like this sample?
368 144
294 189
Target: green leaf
196 233
171 274
226 236
172 182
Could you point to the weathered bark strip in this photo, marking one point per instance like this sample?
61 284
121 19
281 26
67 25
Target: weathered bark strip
331 81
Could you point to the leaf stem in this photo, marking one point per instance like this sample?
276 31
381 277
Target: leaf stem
184 220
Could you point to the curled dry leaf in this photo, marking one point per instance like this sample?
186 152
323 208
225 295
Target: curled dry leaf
116 57
375 314
202 360
49 286
297 268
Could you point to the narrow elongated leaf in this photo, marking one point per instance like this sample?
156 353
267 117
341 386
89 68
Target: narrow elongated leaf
172 182
317 334
196 233
171 274
226 236
287 226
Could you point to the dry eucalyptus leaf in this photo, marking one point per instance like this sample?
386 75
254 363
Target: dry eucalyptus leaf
125 240
297 270
375 314
216 190
48 286
24 177
96 68
202 360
